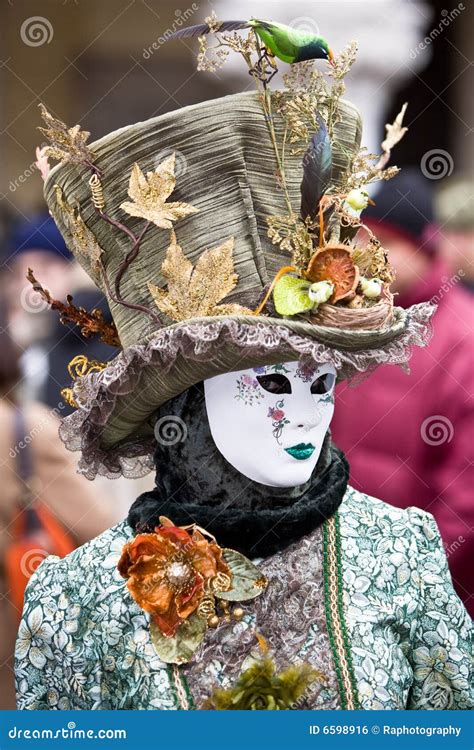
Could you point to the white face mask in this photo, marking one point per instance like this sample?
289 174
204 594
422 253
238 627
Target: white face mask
270 422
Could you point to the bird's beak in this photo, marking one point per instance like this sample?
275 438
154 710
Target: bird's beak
331 56
371 202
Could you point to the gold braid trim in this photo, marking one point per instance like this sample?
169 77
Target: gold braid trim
336 623
180 691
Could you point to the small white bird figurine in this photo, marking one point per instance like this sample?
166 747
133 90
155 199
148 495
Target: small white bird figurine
320 291
356 201
371 288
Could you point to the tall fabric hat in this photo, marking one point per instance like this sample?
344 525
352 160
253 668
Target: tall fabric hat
224 235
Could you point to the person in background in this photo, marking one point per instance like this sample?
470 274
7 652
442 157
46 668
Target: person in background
53 478
409 439
454 208
48 346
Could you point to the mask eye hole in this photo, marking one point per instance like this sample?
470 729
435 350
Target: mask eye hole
323 384
274 383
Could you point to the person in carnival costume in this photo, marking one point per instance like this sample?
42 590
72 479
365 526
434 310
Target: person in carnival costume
227 237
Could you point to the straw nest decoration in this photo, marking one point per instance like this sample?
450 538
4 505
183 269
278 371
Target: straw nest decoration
368 318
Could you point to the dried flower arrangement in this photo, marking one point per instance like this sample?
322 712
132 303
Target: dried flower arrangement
338 274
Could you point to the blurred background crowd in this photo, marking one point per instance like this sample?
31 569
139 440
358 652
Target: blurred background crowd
103 65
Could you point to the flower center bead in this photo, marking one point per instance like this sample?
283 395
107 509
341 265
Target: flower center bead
178 573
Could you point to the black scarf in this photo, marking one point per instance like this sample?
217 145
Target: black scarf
195 484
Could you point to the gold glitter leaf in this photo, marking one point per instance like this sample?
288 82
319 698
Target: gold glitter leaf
196 291
149 195
66 144
82 239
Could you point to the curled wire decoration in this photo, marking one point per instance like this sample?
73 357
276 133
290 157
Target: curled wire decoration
207 607
221 582
67 395
77 368
98 200
97 192
82 365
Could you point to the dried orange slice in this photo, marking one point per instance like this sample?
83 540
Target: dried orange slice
334 264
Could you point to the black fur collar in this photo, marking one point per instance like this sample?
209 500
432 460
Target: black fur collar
254 531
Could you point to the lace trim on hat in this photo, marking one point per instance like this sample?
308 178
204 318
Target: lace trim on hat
97 394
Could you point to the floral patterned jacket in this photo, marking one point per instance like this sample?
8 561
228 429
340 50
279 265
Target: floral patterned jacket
366 599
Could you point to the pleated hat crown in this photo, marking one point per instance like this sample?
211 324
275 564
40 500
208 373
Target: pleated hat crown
225 168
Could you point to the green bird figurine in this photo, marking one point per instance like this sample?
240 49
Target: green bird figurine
287 44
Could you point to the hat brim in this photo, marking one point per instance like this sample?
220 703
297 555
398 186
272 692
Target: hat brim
113 425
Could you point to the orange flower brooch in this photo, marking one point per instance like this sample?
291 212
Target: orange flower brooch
185 581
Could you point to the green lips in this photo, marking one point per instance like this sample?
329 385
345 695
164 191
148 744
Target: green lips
302 451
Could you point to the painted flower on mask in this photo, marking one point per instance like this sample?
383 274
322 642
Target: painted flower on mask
305 372
278 418
167 573
327 398
248 390
276 414
277 368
